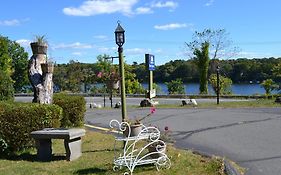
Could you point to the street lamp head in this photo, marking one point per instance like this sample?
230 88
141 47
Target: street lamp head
119 35
218 68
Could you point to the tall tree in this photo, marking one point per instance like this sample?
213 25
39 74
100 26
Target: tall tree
19 65
6 83
202 61
219 45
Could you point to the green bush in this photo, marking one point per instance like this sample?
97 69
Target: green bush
18 120
74 108
175 86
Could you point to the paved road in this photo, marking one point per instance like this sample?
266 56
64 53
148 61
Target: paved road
251 137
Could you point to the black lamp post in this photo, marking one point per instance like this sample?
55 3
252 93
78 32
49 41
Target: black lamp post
120 40
218 85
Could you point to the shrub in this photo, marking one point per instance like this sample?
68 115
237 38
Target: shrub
175 87
74 108
224 84
18 120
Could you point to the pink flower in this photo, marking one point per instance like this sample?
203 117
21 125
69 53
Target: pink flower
152 110
166 128
99 74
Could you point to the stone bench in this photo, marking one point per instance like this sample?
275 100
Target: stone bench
72 142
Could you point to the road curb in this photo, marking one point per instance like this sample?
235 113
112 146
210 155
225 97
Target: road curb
228 168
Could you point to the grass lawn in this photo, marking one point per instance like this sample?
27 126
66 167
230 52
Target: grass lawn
228 104
97 158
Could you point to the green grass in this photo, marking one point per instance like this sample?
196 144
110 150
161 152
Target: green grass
229 104
97 158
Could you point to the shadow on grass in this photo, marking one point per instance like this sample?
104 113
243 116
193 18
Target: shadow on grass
32 157
90 171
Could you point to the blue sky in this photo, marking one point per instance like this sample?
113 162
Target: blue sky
83 29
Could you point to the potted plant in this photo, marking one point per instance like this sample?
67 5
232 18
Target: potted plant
135 125
40 45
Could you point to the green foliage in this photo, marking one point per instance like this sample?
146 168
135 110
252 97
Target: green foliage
133 87
14 61
18 120
6 83
202 61
5 59
74 108
224 85
220 44
41 39
19 65
6 87
240 70
268 86
175 87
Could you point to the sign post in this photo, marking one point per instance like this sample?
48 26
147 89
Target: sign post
150 64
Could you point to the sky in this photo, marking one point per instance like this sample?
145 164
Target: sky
81 30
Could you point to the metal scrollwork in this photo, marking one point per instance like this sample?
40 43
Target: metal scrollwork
153 152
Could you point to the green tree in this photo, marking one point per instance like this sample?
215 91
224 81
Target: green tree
224 85
220 44
202 61
6 82
60 76
175 87
132 84
268 86
19 65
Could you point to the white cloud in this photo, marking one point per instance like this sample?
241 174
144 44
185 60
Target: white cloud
167 4
144 10
24 42
106 49
137 51
76 53
13 22
209 3
171 26
101 37
76 45
96 7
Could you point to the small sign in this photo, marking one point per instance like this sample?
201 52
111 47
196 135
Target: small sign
152 93
150 61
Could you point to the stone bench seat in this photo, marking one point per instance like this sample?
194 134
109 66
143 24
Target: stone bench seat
72 142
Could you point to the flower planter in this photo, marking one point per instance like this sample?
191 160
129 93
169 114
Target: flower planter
134 130
38 48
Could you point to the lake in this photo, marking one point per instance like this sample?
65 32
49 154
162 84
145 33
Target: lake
237 89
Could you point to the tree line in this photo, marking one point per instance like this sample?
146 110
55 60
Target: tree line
240 70
71 76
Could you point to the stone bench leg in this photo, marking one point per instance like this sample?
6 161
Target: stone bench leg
44 149
73 148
